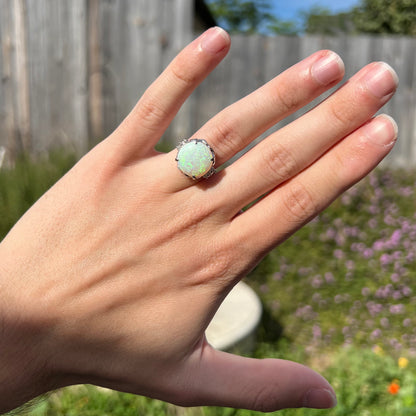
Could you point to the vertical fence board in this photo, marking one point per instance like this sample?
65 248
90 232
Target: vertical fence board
7 119
57 63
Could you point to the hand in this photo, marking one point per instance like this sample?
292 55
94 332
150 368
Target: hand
112 277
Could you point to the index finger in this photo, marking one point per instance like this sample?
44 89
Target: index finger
148 120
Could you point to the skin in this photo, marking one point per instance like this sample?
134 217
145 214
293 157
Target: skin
94 281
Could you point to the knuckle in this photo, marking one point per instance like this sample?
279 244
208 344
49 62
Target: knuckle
347 110
215 268
150 113
298 202
265 399
342 115
227 134
340 163
287 100
279 162
187 78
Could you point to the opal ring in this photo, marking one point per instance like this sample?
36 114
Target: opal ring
195 158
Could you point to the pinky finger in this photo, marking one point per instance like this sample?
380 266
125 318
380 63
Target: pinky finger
297 201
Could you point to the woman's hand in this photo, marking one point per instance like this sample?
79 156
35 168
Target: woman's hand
112 277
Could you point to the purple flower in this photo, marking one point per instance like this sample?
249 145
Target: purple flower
385 259
277 276
396 237
406 291
384 292
350 265
397 255
397 295
395 344
406 225
374 308
373 209
346 199
305 312
365 291
304 271
316 282
407 322
405 191
264 288
397 309
340 239
367 253
410 257
378 245
330 233
372 223
316 297
376 333
395 278
317 333
384 322
329 277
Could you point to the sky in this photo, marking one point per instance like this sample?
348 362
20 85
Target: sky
289 9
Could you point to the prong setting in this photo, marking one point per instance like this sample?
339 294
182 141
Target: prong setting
195 158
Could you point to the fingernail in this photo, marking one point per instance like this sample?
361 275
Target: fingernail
214 40
328 68
320 399
381 80
382 130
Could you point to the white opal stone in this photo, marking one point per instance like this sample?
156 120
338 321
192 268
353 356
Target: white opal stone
195 158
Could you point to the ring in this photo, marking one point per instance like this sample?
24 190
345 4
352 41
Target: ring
196 158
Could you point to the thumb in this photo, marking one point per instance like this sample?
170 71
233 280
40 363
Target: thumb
223 379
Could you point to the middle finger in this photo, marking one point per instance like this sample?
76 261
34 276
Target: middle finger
238 125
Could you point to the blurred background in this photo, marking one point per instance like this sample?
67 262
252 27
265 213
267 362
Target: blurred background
340 294
72 70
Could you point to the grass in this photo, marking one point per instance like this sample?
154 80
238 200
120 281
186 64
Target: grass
339 296
21 186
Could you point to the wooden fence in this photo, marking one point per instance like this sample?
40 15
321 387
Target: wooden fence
71 71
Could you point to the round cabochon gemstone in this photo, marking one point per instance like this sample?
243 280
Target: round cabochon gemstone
195 158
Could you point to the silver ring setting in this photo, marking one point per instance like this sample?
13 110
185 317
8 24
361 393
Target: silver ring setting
196 158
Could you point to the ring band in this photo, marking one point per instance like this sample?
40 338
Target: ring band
196 158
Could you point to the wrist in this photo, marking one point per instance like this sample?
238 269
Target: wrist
24 371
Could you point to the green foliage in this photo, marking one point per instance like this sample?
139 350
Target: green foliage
249 16
321 20
91 401
371 16
240 15
386 16
22 185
